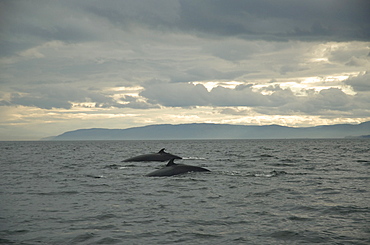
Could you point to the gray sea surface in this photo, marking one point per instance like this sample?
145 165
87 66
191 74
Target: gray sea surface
258 192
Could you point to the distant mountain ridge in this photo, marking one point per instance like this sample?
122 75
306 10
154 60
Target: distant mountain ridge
215 131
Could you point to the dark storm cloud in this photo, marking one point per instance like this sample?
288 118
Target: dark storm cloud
279 20
338 20
128 14
359 83
25 24
30 22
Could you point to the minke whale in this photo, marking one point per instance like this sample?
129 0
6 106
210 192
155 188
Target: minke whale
160 156
174 169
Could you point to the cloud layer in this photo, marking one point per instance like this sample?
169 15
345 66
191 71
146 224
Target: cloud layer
132 63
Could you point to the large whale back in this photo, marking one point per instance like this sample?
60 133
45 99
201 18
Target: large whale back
175 169
160 156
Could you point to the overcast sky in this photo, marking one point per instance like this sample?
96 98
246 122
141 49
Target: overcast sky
66 65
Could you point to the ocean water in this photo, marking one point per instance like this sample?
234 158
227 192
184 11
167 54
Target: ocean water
258 192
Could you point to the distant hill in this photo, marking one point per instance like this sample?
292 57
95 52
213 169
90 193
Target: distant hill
215 131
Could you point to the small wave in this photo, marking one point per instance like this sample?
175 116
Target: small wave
287 160
57 193
6 241
298 218
232 173
285 235
249 174
186 196
345 210
194 158
281 164
109 240
271 174
94 176
311 237
101 227
82 238
113 166
327 191
129 165
204 235
363 161
105 216
265 155
16 232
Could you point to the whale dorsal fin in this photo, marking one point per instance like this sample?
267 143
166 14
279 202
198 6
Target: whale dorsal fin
162 150
170 162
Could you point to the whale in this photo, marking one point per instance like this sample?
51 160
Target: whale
173 168
160 156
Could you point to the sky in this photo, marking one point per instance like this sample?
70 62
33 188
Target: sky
73 64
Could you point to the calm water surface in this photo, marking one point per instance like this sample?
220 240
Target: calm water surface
259 192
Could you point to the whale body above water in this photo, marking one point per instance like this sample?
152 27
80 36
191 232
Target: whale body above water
160 156
174 169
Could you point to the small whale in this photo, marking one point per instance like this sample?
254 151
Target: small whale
174 169
160 156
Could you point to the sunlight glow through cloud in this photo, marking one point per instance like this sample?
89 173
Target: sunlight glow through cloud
209 85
